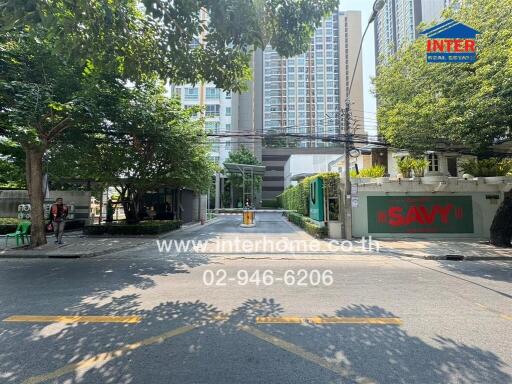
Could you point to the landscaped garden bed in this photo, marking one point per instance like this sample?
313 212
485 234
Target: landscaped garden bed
8 224
307 224
143 228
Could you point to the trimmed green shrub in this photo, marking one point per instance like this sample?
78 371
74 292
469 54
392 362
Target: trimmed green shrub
376 171
419 165
308 225
9 220
487 167
8 224
142 228
405 165
296 198
271 203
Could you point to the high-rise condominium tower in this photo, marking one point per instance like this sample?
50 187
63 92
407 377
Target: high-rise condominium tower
305 94
397 23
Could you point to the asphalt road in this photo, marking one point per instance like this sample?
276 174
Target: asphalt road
221 315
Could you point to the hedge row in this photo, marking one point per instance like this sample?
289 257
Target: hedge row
143 228
308 225
296 198
270 203
7 228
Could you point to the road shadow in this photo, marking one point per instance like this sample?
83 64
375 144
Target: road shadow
495 270
388 354
219 351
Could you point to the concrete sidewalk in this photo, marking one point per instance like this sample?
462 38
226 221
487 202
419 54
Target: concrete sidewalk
77 245
465 249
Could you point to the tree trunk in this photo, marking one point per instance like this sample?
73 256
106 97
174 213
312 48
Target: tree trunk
501 228
34 167
131 200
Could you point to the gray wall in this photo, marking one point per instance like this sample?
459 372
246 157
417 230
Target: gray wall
484 209
11 198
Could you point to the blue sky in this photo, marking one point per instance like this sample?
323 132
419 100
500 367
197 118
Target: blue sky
368 53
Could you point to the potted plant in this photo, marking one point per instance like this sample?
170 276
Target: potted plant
492 170
419 166
404 165
369 174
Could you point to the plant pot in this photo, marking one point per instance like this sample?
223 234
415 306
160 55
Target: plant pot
362 180
433 179
494 180
382 180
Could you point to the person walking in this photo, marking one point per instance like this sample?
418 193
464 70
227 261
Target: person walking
58 212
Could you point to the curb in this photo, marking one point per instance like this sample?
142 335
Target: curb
187 228
38 255
34 254
451 257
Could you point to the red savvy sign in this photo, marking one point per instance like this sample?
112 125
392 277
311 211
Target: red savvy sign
420 214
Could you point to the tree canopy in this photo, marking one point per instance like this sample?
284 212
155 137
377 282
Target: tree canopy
56 57
423 105
144 140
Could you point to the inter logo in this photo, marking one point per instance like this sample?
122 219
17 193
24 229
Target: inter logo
451 42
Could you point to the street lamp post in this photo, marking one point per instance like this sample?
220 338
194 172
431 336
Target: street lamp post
347 195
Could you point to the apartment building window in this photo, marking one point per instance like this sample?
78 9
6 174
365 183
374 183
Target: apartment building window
228 95
212 93
212 126
212 110
228 127
191 93
228 111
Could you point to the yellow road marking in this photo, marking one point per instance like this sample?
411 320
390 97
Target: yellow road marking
74 319
507 317
102 358
298 351
329 320
279 320
355 320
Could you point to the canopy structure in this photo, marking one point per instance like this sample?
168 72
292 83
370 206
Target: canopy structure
248 173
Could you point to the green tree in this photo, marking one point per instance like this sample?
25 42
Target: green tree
12 163
458 105
422 105
51 51
146 140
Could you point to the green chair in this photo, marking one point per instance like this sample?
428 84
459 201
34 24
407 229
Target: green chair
22 232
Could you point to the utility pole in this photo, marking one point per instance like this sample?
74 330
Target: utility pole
347 191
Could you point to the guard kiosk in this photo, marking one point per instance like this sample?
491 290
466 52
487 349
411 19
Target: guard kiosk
248 173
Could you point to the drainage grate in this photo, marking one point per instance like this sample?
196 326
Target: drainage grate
64 257
455 257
